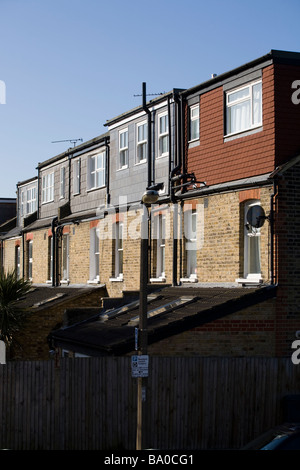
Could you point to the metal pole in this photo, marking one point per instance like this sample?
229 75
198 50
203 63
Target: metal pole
141 437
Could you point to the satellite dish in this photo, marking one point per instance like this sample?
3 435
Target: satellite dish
256 216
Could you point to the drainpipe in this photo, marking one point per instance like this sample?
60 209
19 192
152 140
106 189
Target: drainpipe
172 179
271 219
107 171
145 108
53 224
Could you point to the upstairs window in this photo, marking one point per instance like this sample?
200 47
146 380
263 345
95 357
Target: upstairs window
141 151
96 171
76 176
123 149
194 122
244 108
163 135
31 201
62 182
48 187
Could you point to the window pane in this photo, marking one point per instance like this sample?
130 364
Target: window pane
238 117
238 95
257 104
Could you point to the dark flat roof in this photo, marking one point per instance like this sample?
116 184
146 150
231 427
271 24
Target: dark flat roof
171 310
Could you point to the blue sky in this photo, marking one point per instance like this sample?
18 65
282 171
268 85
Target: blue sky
70 65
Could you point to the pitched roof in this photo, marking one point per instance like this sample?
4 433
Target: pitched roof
171 310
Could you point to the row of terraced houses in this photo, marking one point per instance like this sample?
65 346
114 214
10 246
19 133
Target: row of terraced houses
224 157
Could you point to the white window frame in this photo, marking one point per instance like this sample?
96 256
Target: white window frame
94 256
232 103
141 143
31 200
194 122
48 187
119 250
249 233
190 233
30 259
76 176
96 169
163 134
22 197
50 259
18 261
123 149
161 247
65 258
62 183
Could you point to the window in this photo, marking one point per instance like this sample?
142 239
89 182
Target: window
123 149
94 255
161 245
65 257
50 258
22 203
119 251
190 222
30 247
31 201
48 188
62 182
163 135
76 176
96 171
252 264
18 261
141 151
244 108
194 122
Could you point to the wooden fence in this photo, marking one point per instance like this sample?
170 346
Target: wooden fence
192 403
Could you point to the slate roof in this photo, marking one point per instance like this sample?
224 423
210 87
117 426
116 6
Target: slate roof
43 296
171 310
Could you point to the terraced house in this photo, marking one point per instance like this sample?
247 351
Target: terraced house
223 251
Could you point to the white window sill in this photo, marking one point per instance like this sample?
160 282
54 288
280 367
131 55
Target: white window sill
65 281
250 280
157 279
93 281
243 133
189 279
140 162
116 279
103 186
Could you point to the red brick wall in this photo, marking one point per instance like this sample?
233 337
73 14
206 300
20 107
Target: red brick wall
287 231
216 161
287 113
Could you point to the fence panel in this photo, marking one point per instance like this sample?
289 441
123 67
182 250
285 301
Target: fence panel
192 403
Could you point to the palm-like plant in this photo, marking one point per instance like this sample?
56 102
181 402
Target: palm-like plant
12 317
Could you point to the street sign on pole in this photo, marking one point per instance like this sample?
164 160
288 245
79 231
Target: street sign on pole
139 365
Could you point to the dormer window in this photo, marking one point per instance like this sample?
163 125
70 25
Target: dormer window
244 108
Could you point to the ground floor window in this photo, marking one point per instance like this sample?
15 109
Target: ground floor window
30 259
190 230
252 258
94 255
65 257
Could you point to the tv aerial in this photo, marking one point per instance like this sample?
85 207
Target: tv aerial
73 141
